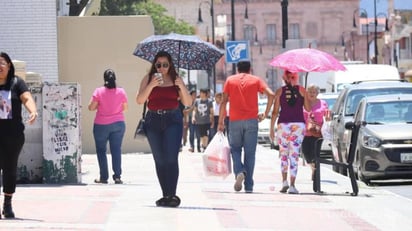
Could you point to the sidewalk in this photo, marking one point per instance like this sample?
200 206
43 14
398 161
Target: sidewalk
208 203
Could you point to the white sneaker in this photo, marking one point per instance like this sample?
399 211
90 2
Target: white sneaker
285 187
293 190
239 180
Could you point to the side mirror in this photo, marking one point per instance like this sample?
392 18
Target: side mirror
349 125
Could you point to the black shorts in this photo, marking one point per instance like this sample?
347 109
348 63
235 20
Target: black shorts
203 129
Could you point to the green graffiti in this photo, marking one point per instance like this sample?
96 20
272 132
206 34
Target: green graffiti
27 177
61 115
63 171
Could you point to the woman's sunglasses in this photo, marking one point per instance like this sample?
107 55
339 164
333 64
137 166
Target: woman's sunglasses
164 65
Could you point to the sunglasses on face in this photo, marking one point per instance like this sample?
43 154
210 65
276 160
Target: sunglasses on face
164 65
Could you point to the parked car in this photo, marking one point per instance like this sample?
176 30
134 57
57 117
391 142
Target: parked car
326 149
264 128
384 144
345 107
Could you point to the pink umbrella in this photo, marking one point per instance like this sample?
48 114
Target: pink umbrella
307 60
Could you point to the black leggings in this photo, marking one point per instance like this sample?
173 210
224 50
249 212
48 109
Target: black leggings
308 146
10 147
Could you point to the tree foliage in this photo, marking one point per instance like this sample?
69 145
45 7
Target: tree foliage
163 24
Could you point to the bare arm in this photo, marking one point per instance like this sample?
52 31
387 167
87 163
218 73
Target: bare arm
269 93
30 105
92 105
222 113
184 94
125 106
146 88
275 112
306 103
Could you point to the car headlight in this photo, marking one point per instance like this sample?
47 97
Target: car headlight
370 140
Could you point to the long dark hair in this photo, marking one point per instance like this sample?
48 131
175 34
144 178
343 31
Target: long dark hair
172 71
11 73
109 79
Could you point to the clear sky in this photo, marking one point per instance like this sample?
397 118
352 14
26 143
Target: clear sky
382 6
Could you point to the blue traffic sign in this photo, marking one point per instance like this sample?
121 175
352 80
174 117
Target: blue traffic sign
237 51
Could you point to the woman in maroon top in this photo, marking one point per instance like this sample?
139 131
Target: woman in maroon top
288 105
164 122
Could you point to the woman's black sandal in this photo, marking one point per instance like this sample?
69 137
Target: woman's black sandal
168 201
174 201
97 181
162 202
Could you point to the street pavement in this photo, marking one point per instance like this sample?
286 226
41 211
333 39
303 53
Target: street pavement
208 203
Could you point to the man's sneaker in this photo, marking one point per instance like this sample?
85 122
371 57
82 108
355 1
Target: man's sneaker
239 180
285 187
293 190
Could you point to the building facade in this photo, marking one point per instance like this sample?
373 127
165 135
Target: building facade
321 23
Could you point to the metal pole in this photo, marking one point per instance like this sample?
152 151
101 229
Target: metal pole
212 14
284 4
367 42
376 34
232 7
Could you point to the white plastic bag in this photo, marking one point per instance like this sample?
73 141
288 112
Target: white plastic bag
216 158
326 130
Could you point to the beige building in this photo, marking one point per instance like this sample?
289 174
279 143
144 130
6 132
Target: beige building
88 46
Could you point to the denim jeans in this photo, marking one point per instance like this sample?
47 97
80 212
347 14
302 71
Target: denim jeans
112 133
243 134
164 133
193 134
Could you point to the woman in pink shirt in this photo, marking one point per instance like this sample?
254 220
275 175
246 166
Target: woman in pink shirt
109 126
319 109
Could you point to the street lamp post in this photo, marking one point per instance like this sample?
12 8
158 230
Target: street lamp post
284 4
367 29
200 20
376 33
233 37
232 7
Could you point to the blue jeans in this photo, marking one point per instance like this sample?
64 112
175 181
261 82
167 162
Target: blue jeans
112 133
192 134
243 134
164 133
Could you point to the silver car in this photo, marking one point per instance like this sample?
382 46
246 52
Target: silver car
345 107
384 145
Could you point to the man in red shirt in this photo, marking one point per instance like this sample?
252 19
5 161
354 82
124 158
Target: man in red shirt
241 91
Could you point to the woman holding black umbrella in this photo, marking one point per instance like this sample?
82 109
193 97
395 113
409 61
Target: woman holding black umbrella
162 89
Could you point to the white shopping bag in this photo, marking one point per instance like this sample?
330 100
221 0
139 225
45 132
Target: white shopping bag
327 131
216 158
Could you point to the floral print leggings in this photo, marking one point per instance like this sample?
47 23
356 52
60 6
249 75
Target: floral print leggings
290 137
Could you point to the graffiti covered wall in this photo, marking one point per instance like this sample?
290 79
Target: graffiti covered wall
61 133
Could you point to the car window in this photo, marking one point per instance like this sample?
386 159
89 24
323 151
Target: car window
339 101
389 112
356 95
330 102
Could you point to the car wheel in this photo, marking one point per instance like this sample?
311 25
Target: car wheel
363 179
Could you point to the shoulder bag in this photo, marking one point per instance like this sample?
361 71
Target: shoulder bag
140 131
